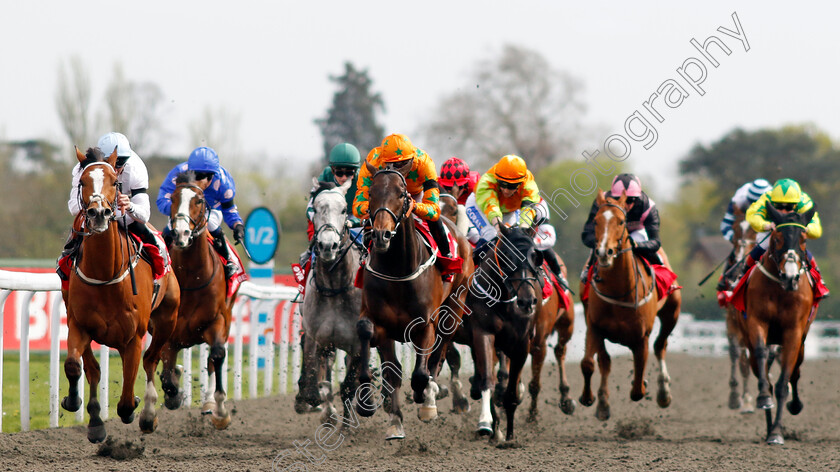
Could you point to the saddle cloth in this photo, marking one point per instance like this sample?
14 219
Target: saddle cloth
666 281
550 283
737 297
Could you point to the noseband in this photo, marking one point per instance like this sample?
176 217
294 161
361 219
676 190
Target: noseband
405 196
195 229
624 235
95 198
781 257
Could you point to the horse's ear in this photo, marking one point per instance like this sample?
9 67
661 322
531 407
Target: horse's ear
772 213
79 155
315 182
809 215
346 186
601 198
370 168
112 159
623 200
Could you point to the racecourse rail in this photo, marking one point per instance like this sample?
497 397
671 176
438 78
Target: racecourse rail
273 341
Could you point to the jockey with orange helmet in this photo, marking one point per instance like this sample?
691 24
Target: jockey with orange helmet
396 152
642 220
508 194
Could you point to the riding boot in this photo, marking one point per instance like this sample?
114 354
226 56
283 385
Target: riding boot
71 248
556 268
145 234
722 285
439 233
585 272
167 237
220 245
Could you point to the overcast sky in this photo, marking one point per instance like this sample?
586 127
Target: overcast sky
270 62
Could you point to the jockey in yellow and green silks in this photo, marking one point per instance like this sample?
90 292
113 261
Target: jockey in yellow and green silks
397 152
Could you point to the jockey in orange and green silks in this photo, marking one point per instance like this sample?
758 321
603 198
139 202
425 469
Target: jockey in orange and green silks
786 196
397 152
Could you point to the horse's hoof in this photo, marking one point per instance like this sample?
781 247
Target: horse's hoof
96 434
301 406
365 411
427 413
148 425
443 392
394 431
484 429
636 396
220 423
764 402
794 407
329 415
567 406
735 401
175 401
71 404
587 401
460 405
663 399
208 407
127 419
775 438
532 416
603 413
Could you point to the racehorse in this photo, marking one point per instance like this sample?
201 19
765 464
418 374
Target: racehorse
110 299
405 298
332 303
508 314
779 311
623 308
205 312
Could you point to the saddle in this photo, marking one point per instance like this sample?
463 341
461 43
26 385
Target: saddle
239 276
738 296
666 280
550 283
447 265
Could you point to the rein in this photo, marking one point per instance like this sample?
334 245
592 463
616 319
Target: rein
505 279
216 265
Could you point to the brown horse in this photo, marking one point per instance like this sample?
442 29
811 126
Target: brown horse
205 312
779 311
110 300
622 309
404 298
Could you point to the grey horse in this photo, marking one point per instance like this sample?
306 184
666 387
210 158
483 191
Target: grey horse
332 303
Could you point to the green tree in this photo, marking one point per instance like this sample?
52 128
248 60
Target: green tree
352 117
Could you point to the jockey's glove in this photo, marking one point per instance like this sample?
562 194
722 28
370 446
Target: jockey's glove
239 232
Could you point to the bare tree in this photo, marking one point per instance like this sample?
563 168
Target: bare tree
135 109
72 100
217 128
516 103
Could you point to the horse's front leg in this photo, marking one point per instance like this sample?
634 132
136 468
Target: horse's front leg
460 404
795 405
308 383
483 382
96 428
564 334
77 343
747 401
789 360
170 378
220 416
735 400
538 349
364 395
502 377
587 366
391 383
640 353
604 365
130 355
512 397
423 386
758 356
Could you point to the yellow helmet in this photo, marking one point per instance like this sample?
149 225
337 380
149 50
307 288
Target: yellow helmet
511 169
785 191
396 148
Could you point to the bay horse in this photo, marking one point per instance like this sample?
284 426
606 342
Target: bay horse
332 303
509 315
110 300
622 309
205 312
404 298
779 311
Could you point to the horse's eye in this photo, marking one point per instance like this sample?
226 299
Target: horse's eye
200 202
620 222
343 211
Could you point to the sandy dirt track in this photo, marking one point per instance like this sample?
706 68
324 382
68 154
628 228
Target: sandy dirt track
697 432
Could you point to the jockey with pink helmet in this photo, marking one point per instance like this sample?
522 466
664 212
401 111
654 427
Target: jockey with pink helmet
642 219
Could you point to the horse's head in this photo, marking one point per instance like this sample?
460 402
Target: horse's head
449 197
389 204
330 218
188 214
518 260
97 188
743 241
787 244
611 235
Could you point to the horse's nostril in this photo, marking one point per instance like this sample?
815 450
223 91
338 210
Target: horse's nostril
609 252
91 213
334 246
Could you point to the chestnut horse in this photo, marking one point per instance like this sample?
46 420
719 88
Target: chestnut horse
622 309
110 300
779 311
404 298
205 312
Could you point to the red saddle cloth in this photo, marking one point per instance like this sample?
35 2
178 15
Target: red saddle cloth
447 265
550 284
666 281
239 276
738 297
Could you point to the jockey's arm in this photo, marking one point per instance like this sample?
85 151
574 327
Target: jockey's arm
73 204
164 198
814 229
530 200
362 200
429 208
757 215
726 223
231 214
653 243
139 208
588 234
487 199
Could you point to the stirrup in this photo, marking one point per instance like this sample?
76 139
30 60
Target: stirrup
230 269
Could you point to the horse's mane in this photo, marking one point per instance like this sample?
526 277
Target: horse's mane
519 239
185 177
93 154
323 186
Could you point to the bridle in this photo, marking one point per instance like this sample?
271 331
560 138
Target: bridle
404 195
782 257
617 300
511 284
195 228
343 237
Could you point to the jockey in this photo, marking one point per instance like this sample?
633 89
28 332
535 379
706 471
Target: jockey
508 194
456 173
219 190
786 196
745 196
344 164
642 220
396 152
132 200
